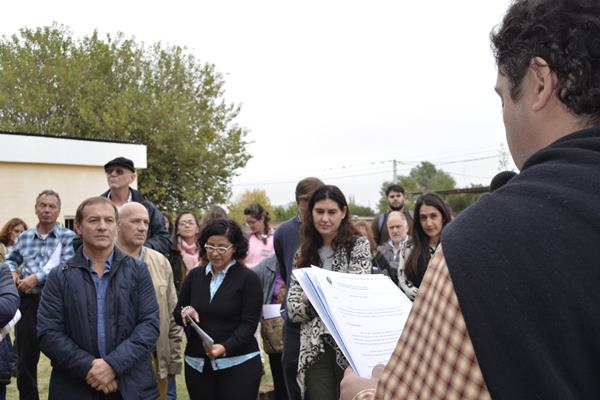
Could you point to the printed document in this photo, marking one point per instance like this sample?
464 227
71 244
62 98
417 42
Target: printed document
365 314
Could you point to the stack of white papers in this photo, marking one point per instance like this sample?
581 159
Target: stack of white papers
365 314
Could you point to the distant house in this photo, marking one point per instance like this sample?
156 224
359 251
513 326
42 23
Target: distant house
74 168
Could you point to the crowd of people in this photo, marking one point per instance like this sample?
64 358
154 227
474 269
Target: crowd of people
144 278
493 314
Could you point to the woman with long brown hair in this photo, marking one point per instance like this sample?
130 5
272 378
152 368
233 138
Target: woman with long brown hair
330 241
432 214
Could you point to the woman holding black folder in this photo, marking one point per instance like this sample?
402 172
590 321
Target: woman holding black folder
225 299
328 240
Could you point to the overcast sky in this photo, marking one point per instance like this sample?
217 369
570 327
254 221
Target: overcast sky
334 89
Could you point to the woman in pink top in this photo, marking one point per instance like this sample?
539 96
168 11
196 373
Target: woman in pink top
260 242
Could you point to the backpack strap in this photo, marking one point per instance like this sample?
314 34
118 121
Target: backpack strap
380 222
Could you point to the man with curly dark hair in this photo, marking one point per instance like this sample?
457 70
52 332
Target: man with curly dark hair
515 316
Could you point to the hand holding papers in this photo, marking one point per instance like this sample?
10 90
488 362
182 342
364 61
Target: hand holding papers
365 314
207 341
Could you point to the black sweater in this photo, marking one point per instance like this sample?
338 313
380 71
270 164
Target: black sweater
230 318
524 264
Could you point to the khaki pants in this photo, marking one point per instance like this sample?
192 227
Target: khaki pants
161 384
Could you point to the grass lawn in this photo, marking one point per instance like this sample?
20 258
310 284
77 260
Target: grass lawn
44 369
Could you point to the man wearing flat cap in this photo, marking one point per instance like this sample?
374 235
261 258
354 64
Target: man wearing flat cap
120 173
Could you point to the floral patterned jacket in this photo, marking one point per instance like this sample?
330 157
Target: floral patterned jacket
313 333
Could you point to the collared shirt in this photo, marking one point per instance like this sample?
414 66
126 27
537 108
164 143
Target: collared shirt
101 283
216 281
34 251
395 251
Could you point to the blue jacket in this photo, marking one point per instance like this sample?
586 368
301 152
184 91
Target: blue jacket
67 327
9 303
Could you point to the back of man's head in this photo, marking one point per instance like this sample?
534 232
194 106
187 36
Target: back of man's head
564 33
307 186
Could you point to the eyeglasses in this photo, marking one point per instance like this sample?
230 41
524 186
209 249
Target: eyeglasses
220 250
118 171
189 222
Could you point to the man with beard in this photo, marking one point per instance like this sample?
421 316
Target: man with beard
395 197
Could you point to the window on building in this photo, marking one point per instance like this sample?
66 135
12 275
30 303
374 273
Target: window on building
70 222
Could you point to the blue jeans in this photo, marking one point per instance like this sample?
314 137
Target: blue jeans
171 391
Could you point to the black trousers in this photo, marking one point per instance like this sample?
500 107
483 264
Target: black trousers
28 350
240 382
278 379
289 359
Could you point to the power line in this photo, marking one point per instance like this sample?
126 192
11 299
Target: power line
365 172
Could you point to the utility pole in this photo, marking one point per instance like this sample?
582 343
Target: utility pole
395 171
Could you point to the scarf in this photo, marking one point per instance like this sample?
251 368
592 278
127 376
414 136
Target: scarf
189 254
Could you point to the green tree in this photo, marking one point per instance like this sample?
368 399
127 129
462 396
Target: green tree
424 177
357 209
236 209
283 213
459 202
117 89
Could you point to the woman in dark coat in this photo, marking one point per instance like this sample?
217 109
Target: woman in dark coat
224 297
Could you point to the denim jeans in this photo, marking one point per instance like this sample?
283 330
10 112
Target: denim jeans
171 391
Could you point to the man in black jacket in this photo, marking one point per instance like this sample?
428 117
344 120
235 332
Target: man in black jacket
98 317
120 173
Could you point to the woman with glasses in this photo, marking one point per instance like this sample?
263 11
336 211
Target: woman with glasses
432 214
184 254
225 299
330 241
260 242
